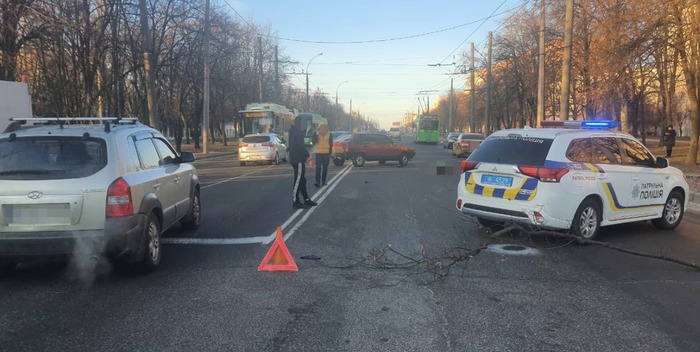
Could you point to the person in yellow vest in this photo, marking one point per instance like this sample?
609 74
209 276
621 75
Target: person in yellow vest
324 145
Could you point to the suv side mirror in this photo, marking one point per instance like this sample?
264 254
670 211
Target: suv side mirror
186 157
661 162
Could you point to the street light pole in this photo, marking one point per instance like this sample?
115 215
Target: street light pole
307 80
337 126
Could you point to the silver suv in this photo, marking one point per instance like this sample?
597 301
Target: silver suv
110 187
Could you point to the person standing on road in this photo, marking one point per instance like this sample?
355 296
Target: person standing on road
324 145
297 157
669 140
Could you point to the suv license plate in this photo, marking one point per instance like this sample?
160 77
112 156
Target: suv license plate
497 180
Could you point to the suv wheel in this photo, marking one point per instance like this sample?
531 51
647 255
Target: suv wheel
586 222
152 254
338 161
193 218
7 267
672 214
359 160
403 159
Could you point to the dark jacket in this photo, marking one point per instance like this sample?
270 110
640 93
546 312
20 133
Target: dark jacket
670 138
297 150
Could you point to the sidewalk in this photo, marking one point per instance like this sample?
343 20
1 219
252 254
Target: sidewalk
213 150
691 172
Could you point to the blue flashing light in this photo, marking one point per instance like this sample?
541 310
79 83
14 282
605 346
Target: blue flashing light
598 124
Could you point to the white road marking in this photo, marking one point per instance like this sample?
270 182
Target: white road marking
237 177
318 197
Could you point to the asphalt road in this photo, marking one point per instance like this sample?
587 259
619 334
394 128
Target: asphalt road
390 266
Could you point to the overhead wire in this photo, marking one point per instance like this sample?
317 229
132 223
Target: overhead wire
368 41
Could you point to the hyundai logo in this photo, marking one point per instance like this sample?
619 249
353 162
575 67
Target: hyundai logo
34 195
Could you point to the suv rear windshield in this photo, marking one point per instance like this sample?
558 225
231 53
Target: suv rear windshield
512 149
51 158
256 139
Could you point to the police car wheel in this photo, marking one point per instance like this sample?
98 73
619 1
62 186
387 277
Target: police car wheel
672 214
586 222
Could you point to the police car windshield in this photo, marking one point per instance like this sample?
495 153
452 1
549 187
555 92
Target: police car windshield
512 149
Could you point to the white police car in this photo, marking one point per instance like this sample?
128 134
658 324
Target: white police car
577 176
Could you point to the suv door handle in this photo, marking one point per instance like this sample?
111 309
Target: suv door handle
636 178
157 185
177 179
602 176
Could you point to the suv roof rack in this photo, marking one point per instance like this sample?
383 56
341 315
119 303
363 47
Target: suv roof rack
62 120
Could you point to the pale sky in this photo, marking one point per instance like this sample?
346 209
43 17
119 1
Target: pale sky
383 48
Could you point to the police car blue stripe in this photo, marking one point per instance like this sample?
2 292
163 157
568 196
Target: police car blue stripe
499 192
529 185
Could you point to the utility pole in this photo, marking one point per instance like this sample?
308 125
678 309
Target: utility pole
350 115
487 108
205 118
472 97
278 92
308 107
449 121
260 70
566 64
148 65
540 76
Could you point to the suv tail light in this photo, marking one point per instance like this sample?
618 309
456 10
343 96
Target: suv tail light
119 199
267 144
544 174
469 165
243 145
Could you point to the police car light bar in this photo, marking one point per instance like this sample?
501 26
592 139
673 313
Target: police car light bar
587 124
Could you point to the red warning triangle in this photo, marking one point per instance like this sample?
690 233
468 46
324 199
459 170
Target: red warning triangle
281 259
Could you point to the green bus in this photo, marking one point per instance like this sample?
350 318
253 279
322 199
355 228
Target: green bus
427 129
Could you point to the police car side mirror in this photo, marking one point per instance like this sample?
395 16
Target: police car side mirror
661 162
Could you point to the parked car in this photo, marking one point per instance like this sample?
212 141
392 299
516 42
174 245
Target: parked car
395 133
80 189
262 147
362 147
466 143
450 139
567 178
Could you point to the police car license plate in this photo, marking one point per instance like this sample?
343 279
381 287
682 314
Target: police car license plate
497 180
